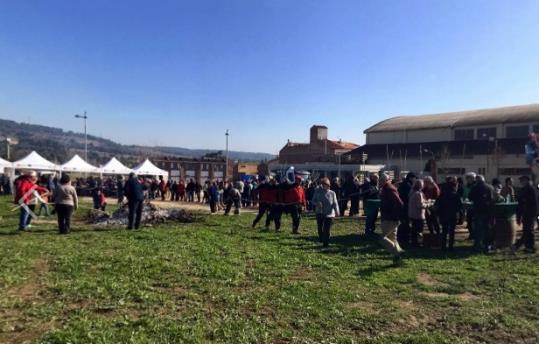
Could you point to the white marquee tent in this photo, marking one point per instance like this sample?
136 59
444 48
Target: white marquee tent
4 164
77 164
115 167
147 168
34 161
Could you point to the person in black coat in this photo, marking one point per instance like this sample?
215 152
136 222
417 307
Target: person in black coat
350 191
449 207
120 189
527 214
135 199
403 234
484 198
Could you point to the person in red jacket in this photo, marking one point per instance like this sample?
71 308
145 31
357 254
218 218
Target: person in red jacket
162 188
25 188
432 193
181 190
294 202
266 197
391 207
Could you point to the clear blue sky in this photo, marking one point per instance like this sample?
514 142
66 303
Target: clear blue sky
181 72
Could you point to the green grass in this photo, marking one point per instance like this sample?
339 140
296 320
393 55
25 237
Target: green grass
217 280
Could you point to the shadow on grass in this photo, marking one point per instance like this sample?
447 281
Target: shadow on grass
352 244
54 231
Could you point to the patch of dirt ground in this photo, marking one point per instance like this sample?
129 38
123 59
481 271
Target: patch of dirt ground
17 327
429 281
462 297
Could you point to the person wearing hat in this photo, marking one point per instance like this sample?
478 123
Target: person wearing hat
326 207
391 209
527 211
135 199
294 202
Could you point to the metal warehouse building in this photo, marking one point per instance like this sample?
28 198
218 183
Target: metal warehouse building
489 141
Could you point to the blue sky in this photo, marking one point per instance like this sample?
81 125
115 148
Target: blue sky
180 72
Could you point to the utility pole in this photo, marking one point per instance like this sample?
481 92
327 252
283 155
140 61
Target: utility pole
226 168
84 117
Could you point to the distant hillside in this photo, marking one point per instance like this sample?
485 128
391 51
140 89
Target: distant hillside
58 145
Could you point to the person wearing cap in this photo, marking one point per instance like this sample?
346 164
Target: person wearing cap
326 207
135 199
25 186
391 209
527 211
294 202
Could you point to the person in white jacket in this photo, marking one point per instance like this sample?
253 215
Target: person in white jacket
327 207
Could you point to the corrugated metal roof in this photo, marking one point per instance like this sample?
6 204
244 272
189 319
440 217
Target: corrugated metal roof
509 114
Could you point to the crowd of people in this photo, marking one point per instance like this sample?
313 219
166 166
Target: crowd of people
406 208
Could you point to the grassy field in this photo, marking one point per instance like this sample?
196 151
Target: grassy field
217 280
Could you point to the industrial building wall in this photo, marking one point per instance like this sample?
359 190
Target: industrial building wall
412 136
512 165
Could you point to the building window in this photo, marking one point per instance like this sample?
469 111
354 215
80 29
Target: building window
456 171
513 171
536 128
520 131
482 171
464 134
486 133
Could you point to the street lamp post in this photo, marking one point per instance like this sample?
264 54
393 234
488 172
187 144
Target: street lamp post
9 142
84 117
226 156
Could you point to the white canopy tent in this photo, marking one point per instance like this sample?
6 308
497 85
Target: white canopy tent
4 164
115 167
34 161
147 168
77 164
